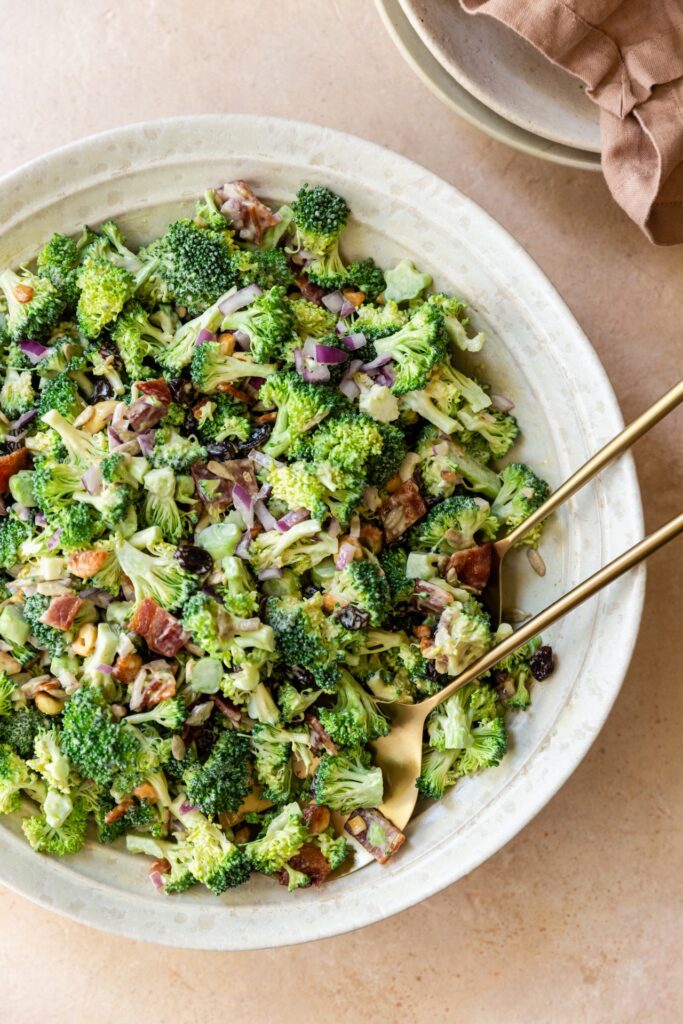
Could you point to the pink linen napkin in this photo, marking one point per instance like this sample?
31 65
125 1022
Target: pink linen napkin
629 54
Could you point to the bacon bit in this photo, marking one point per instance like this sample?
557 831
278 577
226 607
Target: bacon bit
156 388
85 564
356 298
316 818
41 684
320 738
227 708
311 292
146 791
23 293
157 690
242 834
62 611
161 865
311 861
241 396
255 530
421 631
246 211
401 509
127 667
371 537
395 484
116 813
11 464
162 631
197 409
471 567
386 838
425 642
268 417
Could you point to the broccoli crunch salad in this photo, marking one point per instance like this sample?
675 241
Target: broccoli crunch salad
247 497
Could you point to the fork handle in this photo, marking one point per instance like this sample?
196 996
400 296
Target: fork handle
638 553
616 446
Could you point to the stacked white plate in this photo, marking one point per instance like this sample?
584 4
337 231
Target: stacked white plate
496 80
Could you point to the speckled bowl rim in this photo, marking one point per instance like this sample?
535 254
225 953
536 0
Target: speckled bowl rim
376 893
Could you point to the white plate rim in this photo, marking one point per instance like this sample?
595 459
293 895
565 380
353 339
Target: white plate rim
76 896
458 99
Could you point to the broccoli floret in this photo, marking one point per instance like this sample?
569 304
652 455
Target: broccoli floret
175 451
60 841
282 838
348 440
138 339
47 637
169 713
210 367
446 461
319 219
267 321
355 719
159 507
393 562
17 395
20 729
381 468
405 282
14 776
294 703
158 575
334 849
452 525
113 504
7 689
462 635
178 854
194 264
78 526
34 305
213 860
297 486
521 493
208 215
455 321
437 772
223 417
305 637
380 321
273 760
300 547
415 348
58 261
218 634
13 533
263 267
344 782
105 289
238 592
49 761
367 277
470 722
97 745
224 780
61 393
499 429
514 676
300 407
310 320
54 487
83 449
363 585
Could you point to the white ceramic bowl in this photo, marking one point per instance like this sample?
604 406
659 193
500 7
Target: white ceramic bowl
536 353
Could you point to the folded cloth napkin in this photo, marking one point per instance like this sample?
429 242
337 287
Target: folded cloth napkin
629 54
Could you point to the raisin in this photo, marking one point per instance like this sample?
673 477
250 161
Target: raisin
194 559
258 435
310 591
353 618
222 450
102 391
301 675
542 663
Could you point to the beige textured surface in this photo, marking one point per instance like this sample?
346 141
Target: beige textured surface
579 918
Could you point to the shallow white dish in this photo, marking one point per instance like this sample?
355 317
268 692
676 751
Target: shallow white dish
463 103
536 354
507 73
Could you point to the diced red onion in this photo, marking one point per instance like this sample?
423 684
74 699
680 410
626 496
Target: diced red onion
334 302
157 879
341 328
502 402
334 528
299 515
113 438
24 419
264 516
309 347
261 459
377 362
329 356
440 449
345 555
54 539
146 441
318 375
92 479
244 504
242 339
386 378
349 388
33 350
347 308
256 383
107 669
187 808
354 526
298 361
264 491
204 335
242 549
270 574
15 438
247 625
354 341
100 598
239 299
21 512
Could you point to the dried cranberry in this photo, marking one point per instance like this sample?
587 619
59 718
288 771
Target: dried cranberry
258 435
194 559
102 391
542 663
353 618
222 450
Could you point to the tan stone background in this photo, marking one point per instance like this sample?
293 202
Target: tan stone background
579 918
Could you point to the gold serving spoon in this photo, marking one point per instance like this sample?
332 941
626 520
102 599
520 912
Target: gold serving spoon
493 595
399 754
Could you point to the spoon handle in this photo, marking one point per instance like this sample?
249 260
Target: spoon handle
638 553
619 444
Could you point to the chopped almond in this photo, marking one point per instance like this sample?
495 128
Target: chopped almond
267 417
116 813
356 298
226 342
230 389
145 791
